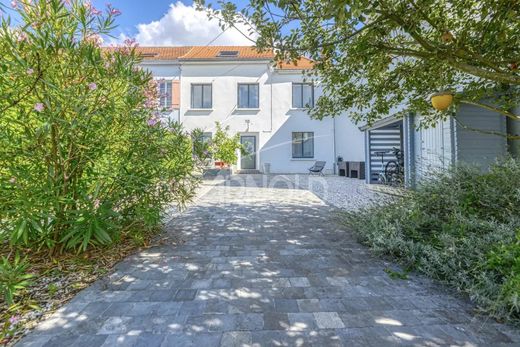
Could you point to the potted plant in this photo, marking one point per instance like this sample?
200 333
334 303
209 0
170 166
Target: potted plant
224 148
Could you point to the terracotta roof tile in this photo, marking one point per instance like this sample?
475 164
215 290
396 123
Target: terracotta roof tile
163 53
302 64
213 52
187 53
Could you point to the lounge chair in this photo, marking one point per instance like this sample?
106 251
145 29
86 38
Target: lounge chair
317 168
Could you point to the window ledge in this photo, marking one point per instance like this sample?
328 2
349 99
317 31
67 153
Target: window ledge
298 109
303 159
199 109
247 109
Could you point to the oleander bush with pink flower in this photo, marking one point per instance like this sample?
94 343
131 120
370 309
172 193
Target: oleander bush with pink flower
85 157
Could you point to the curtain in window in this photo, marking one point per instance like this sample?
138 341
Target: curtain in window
165 94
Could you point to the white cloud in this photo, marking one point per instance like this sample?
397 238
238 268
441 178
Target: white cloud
184 26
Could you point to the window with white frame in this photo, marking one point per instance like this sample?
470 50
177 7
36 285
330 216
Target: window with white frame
165 94
201 96
302 95
303 145
248 95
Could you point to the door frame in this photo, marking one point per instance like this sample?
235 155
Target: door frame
255 136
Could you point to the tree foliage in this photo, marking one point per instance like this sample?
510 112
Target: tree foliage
225 147
85 158
202 152
381 57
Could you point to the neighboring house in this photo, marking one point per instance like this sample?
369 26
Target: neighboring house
447 143
240 88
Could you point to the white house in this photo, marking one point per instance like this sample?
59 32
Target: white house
240 88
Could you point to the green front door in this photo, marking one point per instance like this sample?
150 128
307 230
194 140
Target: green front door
248 157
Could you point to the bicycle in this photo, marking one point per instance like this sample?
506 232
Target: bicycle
393 171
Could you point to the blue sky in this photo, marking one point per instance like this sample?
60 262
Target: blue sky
138 12
166 22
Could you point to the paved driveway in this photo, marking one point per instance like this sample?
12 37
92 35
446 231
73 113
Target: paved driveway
263 267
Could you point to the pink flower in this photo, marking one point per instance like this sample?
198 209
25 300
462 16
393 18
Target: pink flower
130 42
39 107
95 39
152 121
30 71
14 4
21 37
92 86
115 12
14 319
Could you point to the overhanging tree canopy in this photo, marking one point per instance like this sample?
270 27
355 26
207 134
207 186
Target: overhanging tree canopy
378 57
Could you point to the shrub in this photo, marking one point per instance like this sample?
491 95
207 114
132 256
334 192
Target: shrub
13 277
461 227
201 148
224 146
85 157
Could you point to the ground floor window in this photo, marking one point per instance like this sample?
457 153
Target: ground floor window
206 137
303 145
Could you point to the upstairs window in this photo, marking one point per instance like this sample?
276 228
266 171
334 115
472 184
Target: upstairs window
165 94
303 145
201 96
302 95
248 95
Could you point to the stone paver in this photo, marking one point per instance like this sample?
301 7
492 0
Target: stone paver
263 266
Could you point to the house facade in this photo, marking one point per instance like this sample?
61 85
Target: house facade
266 104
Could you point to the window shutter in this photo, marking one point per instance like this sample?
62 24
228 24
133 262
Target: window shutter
176 94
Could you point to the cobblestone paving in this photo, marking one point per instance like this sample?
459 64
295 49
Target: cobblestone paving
263 267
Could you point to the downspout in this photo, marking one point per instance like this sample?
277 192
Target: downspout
271 87
513 128
334 161
180 91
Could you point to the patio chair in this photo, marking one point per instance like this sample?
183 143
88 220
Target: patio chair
317 168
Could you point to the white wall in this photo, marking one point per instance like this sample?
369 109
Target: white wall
349 139
272 123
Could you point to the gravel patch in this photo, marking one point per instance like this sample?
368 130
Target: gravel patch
341 192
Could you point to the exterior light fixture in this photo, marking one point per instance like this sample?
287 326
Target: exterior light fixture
442 101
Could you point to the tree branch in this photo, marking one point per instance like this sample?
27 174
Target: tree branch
491 108
451 57
487 132
33 86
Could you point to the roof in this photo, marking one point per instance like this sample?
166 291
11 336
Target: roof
380 123
204 53
212 52
301 64
163 53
